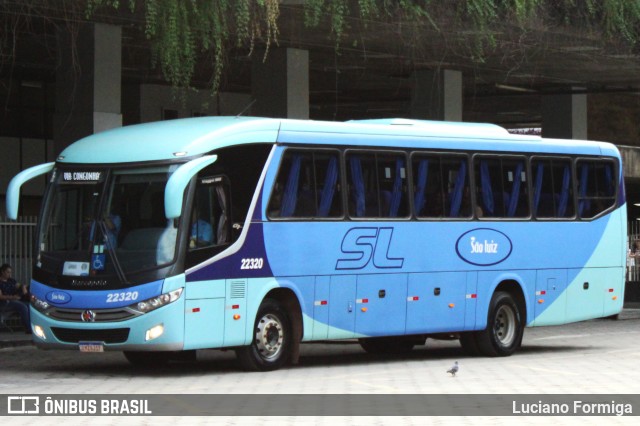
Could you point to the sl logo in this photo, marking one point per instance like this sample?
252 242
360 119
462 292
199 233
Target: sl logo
360 245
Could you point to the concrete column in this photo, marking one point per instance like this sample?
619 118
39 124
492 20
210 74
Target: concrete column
436 95
280 84
88 83
564 116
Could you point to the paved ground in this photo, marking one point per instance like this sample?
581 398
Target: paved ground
600 356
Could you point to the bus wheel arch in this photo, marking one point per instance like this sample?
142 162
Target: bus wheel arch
276 333
506 319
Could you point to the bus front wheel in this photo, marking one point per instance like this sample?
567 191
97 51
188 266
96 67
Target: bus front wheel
505 327
271 346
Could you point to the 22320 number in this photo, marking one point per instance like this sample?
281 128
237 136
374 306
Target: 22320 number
122 297
253 263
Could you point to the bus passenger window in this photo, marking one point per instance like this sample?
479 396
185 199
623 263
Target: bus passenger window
552 188
307 185
441 186
377 185
596 187
362 186
392 186
501 187
458 196
427 196
327 184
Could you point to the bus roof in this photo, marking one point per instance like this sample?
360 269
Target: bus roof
193 137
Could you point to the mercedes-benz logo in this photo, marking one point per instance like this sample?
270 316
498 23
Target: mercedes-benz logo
88 316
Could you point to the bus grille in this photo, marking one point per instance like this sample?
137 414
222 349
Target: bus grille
102 315
73 335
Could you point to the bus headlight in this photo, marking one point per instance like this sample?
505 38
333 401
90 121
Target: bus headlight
39 304
157 302
154 332
39 331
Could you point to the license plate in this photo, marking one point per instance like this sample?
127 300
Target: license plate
91 347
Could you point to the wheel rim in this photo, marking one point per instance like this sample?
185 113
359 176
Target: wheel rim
269 337
505 325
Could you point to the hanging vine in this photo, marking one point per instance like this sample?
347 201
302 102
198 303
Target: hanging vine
179 31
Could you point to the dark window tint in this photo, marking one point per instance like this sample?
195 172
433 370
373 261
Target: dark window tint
210 217
501 187
596 187
308 185
377 185
441 186
552 188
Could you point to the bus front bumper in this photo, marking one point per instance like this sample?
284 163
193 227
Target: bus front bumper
158 330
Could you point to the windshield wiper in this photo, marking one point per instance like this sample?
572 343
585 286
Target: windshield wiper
112 252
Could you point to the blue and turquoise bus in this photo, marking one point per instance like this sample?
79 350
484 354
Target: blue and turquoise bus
258 234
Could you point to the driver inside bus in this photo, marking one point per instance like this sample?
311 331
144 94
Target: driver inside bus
201 231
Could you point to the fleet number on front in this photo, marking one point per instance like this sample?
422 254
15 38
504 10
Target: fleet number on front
122 297
253 263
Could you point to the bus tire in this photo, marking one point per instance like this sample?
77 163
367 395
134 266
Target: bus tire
469 344
146 359
272 339
387 345
505 327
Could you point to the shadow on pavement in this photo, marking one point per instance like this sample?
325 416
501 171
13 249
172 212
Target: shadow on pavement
113 364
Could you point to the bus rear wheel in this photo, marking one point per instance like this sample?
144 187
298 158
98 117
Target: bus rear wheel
505 327
271 346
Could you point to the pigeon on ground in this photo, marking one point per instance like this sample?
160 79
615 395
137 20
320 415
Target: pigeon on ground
454 369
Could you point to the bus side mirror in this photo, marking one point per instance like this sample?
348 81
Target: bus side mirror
13 191
174 191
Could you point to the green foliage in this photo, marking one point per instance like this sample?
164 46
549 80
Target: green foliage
181 30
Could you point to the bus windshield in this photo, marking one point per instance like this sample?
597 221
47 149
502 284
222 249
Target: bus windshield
107 223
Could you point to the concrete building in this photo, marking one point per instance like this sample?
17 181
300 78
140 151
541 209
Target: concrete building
67 78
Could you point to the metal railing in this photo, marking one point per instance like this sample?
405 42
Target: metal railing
16 246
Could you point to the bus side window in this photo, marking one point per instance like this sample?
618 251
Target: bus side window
210 216
516 197
362 190
501 185
459 198
441 186
392 185
327 183
552 188
596 187
377 185
427 183
307 185
489 185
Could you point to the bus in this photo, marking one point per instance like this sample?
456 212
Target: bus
258 234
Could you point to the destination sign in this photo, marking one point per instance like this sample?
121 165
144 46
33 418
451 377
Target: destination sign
82 176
